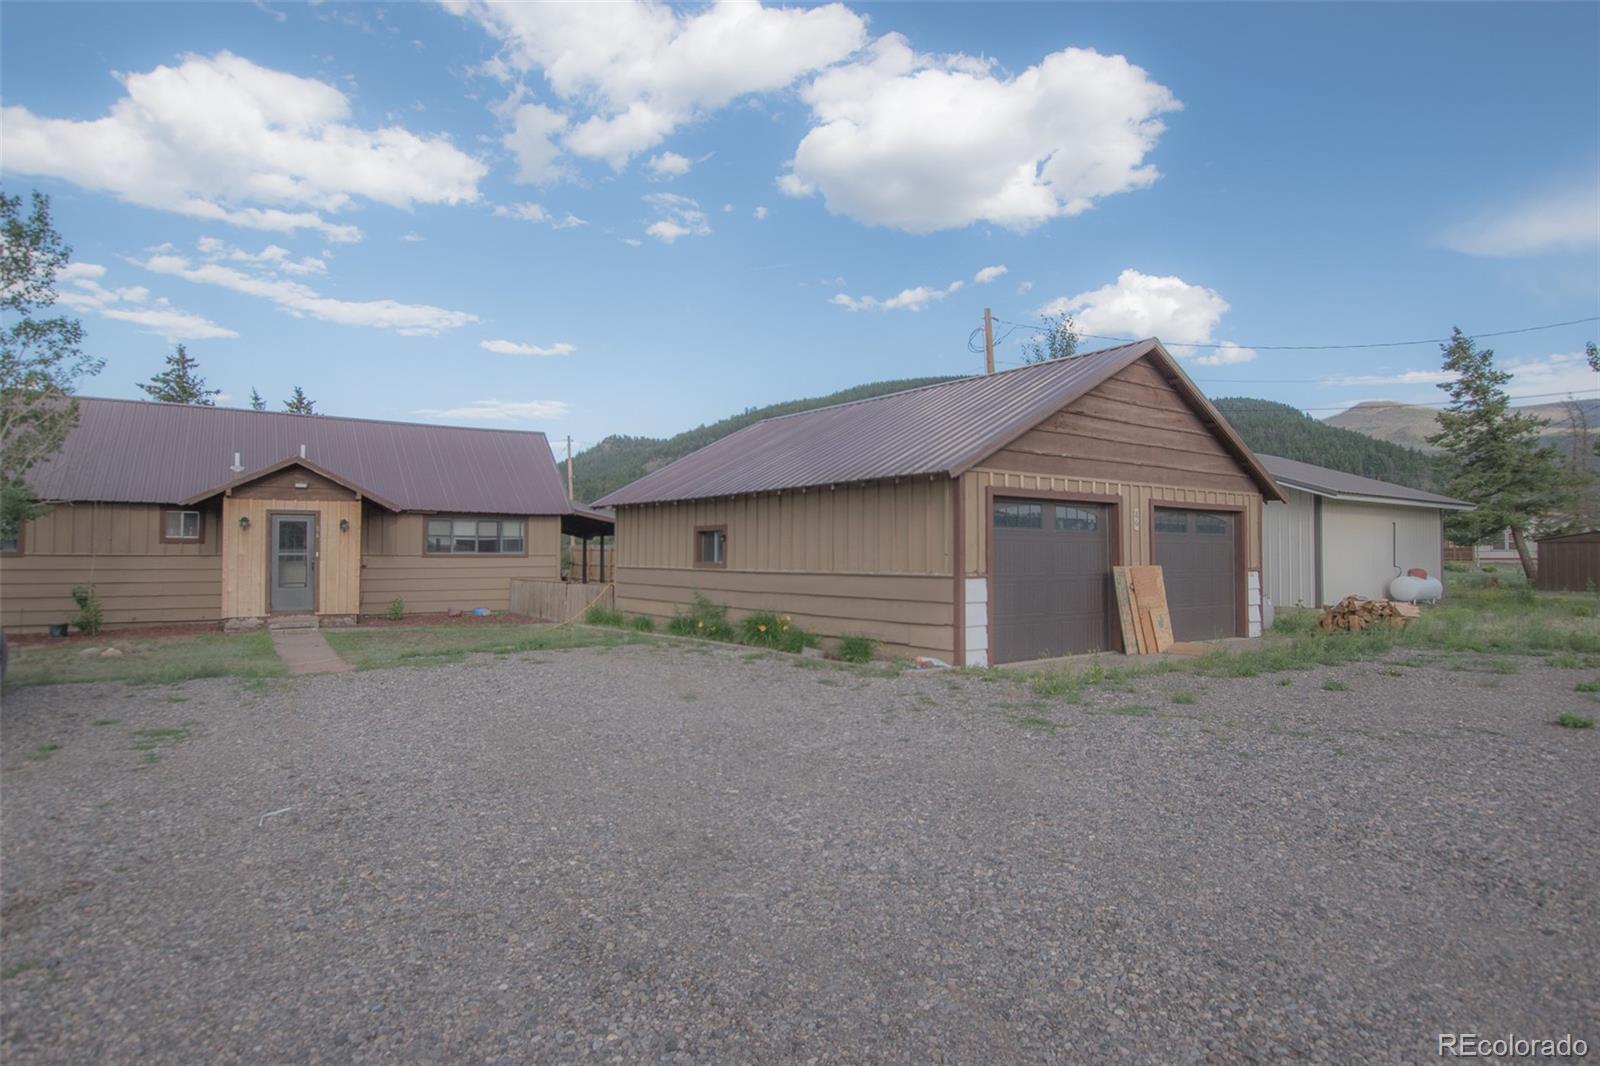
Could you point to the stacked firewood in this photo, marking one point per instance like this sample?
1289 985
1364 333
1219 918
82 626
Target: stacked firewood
1355 613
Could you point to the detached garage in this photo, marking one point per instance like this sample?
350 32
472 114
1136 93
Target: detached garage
976 521
1341 534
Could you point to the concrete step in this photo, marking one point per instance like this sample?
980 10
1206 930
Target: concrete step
292 621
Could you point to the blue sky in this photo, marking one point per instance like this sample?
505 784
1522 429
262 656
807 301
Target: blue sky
635 218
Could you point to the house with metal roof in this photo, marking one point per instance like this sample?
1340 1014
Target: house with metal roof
178 513
1342 534
976 521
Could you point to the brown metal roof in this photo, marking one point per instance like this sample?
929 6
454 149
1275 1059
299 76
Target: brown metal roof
936 429
1320 481
132 451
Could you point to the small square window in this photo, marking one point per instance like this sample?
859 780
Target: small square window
10 545
181 525
711 547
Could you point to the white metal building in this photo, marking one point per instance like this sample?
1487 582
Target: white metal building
1342 534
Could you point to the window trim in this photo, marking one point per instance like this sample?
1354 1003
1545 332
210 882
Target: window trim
497 518
695 547
199 523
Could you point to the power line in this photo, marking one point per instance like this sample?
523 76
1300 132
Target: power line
1447 403
1294 347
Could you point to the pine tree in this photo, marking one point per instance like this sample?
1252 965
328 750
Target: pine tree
300 403
180 382
40 358
1493 456
256 402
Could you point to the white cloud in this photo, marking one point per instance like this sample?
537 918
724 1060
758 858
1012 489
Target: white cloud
1402 377
505 347
1025 288
301 300
1546 378
1144 305
924 143
532 140
1563 222
222 139
988 274
727 208
905 300
760 213
669 165
413 238
499 411
82 292
631 73
680 217
271 257
632 242
1564 372
529 212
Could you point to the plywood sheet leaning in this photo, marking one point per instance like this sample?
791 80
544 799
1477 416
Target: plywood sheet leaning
1126 619
1142 609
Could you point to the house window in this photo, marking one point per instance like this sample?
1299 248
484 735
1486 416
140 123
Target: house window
475 536
180 525
1211 525
1019 515
711 546
1076 519
1172 521
11 543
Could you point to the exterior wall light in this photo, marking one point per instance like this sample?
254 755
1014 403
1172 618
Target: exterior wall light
344 525
244 521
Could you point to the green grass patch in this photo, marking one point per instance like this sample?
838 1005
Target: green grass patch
106 721
1335 685
856 649
42 752
1033 721
643 623
1183 696
1587 686
376 649
164 660
1133 710
1574 721
605 616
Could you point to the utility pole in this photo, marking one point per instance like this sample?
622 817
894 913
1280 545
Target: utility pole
988 342
569 467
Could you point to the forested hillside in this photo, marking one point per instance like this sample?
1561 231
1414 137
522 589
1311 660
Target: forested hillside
1278 429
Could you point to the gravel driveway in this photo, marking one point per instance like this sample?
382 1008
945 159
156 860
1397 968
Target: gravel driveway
664 854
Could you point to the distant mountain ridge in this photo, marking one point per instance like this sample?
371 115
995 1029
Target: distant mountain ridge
1411 425
1279 429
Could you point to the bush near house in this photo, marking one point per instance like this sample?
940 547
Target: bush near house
605 616
763 629
856 649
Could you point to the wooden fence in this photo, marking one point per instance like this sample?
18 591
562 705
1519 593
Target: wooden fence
557 601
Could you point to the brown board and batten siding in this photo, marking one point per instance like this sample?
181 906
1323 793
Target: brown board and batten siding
118 549
396 566
1133 438
870 559
1122 429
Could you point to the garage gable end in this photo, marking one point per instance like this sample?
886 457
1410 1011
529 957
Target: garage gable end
1146 422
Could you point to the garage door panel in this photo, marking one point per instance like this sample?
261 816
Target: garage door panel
1050 578
1198 555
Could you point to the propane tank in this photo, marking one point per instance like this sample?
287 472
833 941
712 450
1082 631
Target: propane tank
1409 589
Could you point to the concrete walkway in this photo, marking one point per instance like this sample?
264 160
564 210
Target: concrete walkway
1181 650
306 651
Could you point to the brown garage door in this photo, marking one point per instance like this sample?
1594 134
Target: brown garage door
1052 566
1197 554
